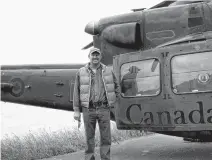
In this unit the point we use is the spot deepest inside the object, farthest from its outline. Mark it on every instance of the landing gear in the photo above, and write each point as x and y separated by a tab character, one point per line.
201	136
199	139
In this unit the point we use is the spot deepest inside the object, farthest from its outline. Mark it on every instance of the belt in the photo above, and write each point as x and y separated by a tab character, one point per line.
99	103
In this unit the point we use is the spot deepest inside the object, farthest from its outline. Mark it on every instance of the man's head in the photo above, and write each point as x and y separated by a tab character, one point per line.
95	56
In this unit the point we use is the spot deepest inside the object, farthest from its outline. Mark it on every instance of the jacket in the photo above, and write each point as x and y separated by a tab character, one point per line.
83	82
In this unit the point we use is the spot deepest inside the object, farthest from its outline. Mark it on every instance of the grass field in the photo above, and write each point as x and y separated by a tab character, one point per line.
43	144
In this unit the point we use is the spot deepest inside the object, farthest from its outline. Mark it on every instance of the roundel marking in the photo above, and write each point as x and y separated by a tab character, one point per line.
18	87
203	78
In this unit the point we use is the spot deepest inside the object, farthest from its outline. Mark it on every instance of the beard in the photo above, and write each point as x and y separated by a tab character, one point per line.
95	60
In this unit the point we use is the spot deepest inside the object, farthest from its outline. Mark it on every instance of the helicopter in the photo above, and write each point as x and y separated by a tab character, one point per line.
162	59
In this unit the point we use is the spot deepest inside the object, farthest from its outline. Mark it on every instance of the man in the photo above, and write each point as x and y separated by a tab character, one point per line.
95	91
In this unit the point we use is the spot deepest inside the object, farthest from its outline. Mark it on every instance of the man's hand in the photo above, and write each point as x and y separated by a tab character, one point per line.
77	116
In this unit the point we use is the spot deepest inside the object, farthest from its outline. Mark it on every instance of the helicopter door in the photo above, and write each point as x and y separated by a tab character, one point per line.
141	104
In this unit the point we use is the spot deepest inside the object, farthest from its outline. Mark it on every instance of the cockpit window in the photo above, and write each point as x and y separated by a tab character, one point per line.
141	78
183	2
192	73
168	3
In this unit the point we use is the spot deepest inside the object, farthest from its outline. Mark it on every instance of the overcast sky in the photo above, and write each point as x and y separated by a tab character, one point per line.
48	32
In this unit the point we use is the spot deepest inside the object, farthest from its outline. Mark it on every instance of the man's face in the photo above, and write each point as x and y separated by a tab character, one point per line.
95	57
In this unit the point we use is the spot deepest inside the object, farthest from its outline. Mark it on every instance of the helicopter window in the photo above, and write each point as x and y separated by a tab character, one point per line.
183	2
192	73
140	78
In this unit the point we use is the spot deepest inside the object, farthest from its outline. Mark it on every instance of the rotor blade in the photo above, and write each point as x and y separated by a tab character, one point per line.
88	46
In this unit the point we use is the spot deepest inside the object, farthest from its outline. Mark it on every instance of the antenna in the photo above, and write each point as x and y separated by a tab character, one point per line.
137	9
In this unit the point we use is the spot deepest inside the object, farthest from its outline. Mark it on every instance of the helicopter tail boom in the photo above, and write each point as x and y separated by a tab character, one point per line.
48	86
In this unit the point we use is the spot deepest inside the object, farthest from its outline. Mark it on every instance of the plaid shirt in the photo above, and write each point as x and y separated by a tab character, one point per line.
97	86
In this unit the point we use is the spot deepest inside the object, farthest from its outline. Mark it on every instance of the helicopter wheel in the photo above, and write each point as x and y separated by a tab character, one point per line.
198	139
190	140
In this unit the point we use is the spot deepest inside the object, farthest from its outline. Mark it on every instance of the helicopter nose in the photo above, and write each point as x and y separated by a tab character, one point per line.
92	28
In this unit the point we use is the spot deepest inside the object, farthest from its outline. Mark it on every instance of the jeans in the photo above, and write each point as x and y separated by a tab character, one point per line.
91	116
